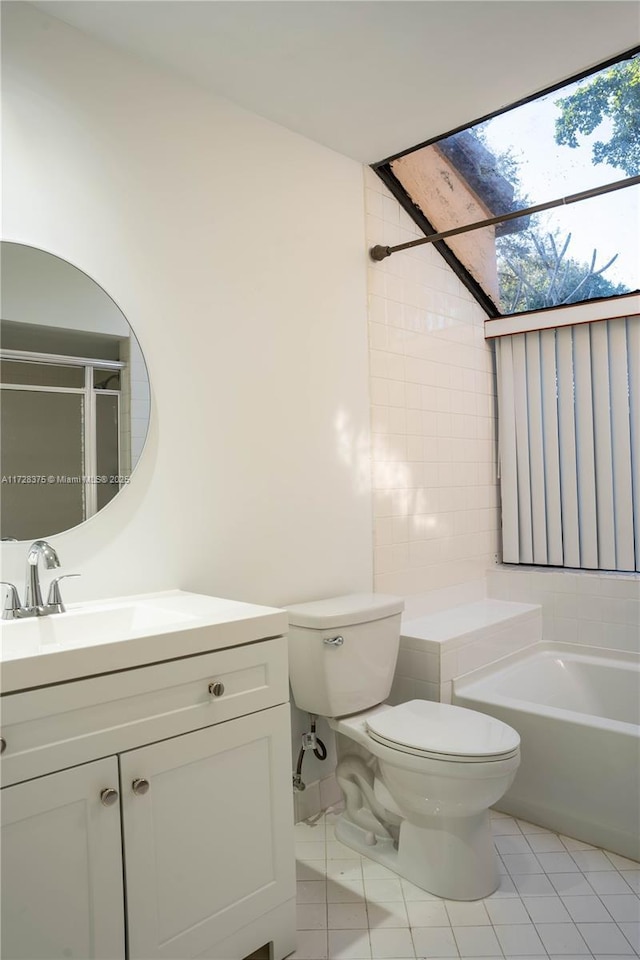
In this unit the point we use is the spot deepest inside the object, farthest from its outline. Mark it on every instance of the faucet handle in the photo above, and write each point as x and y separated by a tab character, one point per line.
12	604
54	599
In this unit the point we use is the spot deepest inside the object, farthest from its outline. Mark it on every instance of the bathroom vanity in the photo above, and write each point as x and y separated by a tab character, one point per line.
146	781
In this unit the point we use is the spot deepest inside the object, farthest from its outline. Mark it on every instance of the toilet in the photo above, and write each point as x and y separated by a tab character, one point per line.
417	778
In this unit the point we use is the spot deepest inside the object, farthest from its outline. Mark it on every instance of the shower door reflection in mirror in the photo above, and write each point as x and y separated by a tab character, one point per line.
75	396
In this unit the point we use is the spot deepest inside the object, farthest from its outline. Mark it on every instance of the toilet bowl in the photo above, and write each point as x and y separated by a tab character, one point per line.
417	778
438	768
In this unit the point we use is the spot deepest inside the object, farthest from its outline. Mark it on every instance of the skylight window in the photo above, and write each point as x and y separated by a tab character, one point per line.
579	138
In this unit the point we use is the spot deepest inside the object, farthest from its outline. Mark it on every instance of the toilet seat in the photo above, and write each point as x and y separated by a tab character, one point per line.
442	731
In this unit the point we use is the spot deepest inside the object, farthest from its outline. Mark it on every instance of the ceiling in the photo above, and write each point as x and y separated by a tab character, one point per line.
368	78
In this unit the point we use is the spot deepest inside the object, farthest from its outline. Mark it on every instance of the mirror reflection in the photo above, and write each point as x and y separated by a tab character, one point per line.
74	395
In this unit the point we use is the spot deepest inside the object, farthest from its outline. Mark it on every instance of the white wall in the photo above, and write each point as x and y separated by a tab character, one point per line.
41	289
236	250
433	421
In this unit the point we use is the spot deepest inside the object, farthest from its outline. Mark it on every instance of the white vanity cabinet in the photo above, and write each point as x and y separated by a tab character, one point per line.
62	866
147	812
188	885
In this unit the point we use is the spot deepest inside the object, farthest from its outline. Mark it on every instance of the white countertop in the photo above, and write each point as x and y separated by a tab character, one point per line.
108	635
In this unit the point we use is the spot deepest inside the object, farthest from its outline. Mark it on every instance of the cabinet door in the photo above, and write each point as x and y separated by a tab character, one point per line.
62	867
209	846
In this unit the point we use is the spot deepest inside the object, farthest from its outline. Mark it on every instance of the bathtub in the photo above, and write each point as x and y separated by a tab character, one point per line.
577	710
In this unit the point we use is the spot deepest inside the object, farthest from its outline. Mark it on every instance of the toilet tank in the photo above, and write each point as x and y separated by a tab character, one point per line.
340	678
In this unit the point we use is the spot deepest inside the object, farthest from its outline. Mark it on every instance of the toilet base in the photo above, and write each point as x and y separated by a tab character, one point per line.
453	857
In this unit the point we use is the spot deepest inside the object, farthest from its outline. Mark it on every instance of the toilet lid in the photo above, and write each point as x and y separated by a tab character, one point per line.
423	726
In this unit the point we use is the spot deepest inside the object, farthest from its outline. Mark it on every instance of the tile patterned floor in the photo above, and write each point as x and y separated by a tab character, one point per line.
558	898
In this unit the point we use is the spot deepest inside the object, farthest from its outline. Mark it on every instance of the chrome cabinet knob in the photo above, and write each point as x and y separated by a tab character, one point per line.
140	787
3	744
216	689
108	796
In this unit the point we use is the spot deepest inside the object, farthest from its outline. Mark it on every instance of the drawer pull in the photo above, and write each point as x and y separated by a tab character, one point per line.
3	744
216	689
140	787
108	796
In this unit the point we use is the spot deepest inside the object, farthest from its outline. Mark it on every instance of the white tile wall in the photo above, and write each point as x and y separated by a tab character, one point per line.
135	405
432	414
436	514
597	609
318	796
140	402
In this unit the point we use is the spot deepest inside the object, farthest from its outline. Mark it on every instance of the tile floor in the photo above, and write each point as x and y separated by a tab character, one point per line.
558	898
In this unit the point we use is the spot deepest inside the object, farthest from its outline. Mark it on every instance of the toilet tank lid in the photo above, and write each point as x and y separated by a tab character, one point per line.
344	611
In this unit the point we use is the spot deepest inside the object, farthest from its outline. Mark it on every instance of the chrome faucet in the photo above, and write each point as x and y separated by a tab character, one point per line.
32	593
33	605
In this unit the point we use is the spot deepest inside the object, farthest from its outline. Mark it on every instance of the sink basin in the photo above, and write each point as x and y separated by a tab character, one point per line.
85	628
99	637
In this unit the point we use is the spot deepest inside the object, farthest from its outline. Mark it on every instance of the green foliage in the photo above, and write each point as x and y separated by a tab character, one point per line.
613	94
506	164
535	272
534	268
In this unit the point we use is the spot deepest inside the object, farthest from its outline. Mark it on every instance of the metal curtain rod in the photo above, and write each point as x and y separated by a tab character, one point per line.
380	252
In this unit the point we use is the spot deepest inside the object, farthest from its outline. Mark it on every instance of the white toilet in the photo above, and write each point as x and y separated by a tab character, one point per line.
418	778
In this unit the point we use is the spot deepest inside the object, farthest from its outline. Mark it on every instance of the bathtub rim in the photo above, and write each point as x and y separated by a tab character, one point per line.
465	686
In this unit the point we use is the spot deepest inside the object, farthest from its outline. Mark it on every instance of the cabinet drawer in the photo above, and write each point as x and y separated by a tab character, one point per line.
59	726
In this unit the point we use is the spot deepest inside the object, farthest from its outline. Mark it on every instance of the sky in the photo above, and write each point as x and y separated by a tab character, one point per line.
611	223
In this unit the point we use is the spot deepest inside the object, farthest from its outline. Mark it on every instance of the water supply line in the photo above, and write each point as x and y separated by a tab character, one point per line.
310	741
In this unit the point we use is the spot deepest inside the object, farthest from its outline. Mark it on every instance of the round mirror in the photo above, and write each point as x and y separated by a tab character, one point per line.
75	396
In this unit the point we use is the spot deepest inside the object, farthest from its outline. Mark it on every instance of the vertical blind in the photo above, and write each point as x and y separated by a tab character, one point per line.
569	445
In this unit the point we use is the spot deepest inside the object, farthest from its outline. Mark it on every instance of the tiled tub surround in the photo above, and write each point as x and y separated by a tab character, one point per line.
558	898
578	606
432	414
577	711
437	647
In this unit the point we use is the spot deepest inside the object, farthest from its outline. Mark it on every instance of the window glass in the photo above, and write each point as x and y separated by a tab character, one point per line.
41	374
106	379
42	463
559	257
576	138
107	447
